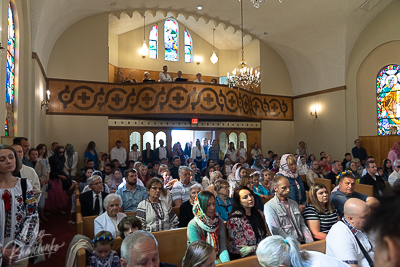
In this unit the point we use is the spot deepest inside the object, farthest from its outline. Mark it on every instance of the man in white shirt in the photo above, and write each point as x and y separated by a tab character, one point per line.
198	78
161	151
29	173
341	241
164	76
118	153
395	175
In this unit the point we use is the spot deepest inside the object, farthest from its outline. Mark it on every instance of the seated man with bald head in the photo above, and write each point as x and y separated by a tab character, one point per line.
141	249
346	191
346	240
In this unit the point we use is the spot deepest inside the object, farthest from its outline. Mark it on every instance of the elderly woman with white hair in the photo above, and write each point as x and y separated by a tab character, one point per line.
110	219
276	251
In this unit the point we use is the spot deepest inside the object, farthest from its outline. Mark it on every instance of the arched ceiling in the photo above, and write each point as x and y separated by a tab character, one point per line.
314	37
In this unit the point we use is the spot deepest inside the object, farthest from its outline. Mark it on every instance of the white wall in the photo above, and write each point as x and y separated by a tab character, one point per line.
275	78
328	131
277	136
79	131
81	52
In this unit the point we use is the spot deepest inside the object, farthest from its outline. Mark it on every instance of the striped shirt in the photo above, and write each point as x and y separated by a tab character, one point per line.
326	220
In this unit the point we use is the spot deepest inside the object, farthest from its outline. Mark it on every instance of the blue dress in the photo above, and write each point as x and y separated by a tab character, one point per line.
89	155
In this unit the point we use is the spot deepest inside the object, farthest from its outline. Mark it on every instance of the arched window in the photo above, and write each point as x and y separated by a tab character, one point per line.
148	137
10	74
243	137
163	136
388	100
233	138
153	42
134	138
188	47
171	40
223	142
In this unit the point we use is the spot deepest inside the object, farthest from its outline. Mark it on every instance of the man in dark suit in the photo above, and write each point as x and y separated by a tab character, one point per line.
370	178
174	171
92	201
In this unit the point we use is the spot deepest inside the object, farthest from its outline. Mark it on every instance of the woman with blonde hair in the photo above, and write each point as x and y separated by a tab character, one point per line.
199	254
320	215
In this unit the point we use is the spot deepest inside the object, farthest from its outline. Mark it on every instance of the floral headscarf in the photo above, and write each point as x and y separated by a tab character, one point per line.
209	225
284	168
235	167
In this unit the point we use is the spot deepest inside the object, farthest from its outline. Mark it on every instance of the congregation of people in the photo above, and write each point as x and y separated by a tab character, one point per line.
163	76
233	206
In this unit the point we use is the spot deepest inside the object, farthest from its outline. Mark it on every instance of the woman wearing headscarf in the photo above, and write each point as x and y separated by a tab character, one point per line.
71	161
207	226
234	182
302	166
288	168
394	153
116	180
57	198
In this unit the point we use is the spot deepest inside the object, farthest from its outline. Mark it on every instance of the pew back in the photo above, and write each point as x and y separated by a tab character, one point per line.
365	189
325	182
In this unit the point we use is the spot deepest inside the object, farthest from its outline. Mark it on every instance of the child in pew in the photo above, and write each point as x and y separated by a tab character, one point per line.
128	225
102	254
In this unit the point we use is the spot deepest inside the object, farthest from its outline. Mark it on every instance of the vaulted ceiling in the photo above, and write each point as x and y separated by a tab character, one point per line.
311	36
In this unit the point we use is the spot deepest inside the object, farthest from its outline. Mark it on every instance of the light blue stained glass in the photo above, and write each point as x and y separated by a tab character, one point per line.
188	47
171	40
153	42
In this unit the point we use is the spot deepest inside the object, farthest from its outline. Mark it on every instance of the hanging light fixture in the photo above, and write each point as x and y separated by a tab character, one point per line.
144	50
213	58
256	3
243	75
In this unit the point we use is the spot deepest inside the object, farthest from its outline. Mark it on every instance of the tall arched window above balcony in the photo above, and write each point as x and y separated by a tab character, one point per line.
388	100
153	42
171	32
134	138
188	47
160	136
148	137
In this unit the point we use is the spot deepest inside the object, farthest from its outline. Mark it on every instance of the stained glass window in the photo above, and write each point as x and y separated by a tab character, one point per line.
153	42
388	100
171	40
188	47
10	74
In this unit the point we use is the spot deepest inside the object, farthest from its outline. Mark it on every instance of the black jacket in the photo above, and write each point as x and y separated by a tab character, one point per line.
86	200
378	185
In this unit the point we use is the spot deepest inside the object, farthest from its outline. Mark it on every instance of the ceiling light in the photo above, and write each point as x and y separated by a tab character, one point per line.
199	7
144	50
213	58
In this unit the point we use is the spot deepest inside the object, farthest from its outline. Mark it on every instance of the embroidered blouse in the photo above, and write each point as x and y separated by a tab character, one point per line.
111	260
20	224
242	233
156	216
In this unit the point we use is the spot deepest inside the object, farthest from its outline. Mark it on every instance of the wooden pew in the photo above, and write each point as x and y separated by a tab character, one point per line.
325	182
85	225
365	189
172	245
303	178
176	210
77	205
252	260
